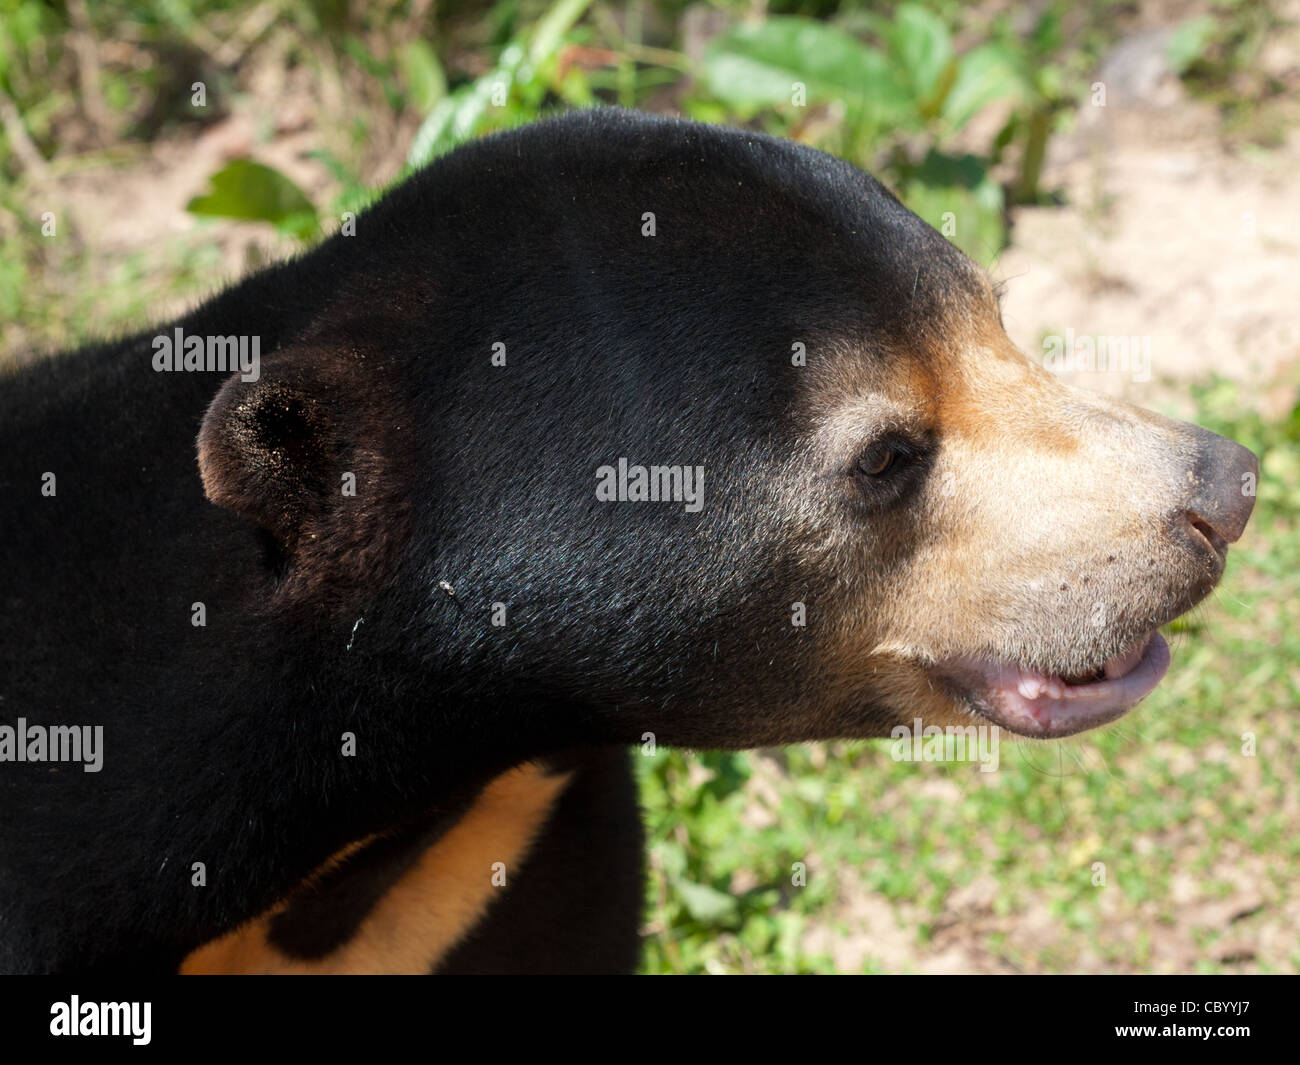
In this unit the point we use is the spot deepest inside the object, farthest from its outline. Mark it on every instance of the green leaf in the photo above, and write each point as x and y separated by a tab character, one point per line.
1188	41
1291	428
921	46
470	111
550	32
254	192
730	771
422	74
463	114
984	74
706	904
957	196
755	66
1048	34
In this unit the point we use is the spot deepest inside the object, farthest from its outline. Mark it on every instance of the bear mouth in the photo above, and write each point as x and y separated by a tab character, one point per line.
1042	706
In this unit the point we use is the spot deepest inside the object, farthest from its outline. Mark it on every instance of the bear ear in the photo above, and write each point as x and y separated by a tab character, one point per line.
269	450
315	453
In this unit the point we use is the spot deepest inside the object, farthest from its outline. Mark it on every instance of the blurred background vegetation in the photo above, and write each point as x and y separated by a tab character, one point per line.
150	152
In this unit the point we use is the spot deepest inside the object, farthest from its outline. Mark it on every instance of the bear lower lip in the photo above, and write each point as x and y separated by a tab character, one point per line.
1034	704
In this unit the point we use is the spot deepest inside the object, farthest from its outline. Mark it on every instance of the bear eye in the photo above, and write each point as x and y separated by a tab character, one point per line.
889	468
877	461
883	456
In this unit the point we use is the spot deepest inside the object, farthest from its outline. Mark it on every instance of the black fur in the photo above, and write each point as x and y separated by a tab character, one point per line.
222	743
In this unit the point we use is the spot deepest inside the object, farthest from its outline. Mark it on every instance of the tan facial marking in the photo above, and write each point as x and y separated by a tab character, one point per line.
430	908
1046	531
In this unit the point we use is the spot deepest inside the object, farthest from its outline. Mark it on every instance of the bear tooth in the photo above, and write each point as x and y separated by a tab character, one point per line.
1033	685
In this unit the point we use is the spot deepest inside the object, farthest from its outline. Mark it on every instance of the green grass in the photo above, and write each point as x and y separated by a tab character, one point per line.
56	295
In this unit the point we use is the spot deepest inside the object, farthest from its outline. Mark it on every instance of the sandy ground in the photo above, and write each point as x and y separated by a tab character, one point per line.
1167	236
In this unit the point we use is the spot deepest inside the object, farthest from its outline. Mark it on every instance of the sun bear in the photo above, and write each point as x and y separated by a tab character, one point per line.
368	641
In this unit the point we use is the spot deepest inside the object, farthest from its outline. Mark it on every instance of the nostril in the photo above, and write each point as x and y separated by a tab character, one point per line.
1208	531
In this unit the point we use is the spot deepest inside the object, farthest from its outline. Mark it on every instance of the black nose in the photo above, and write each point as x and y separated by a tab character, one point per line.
1223	479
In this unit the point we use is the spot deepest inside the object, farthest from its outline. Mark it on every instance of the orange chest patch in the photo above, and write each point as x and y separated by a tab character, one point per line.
438	894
